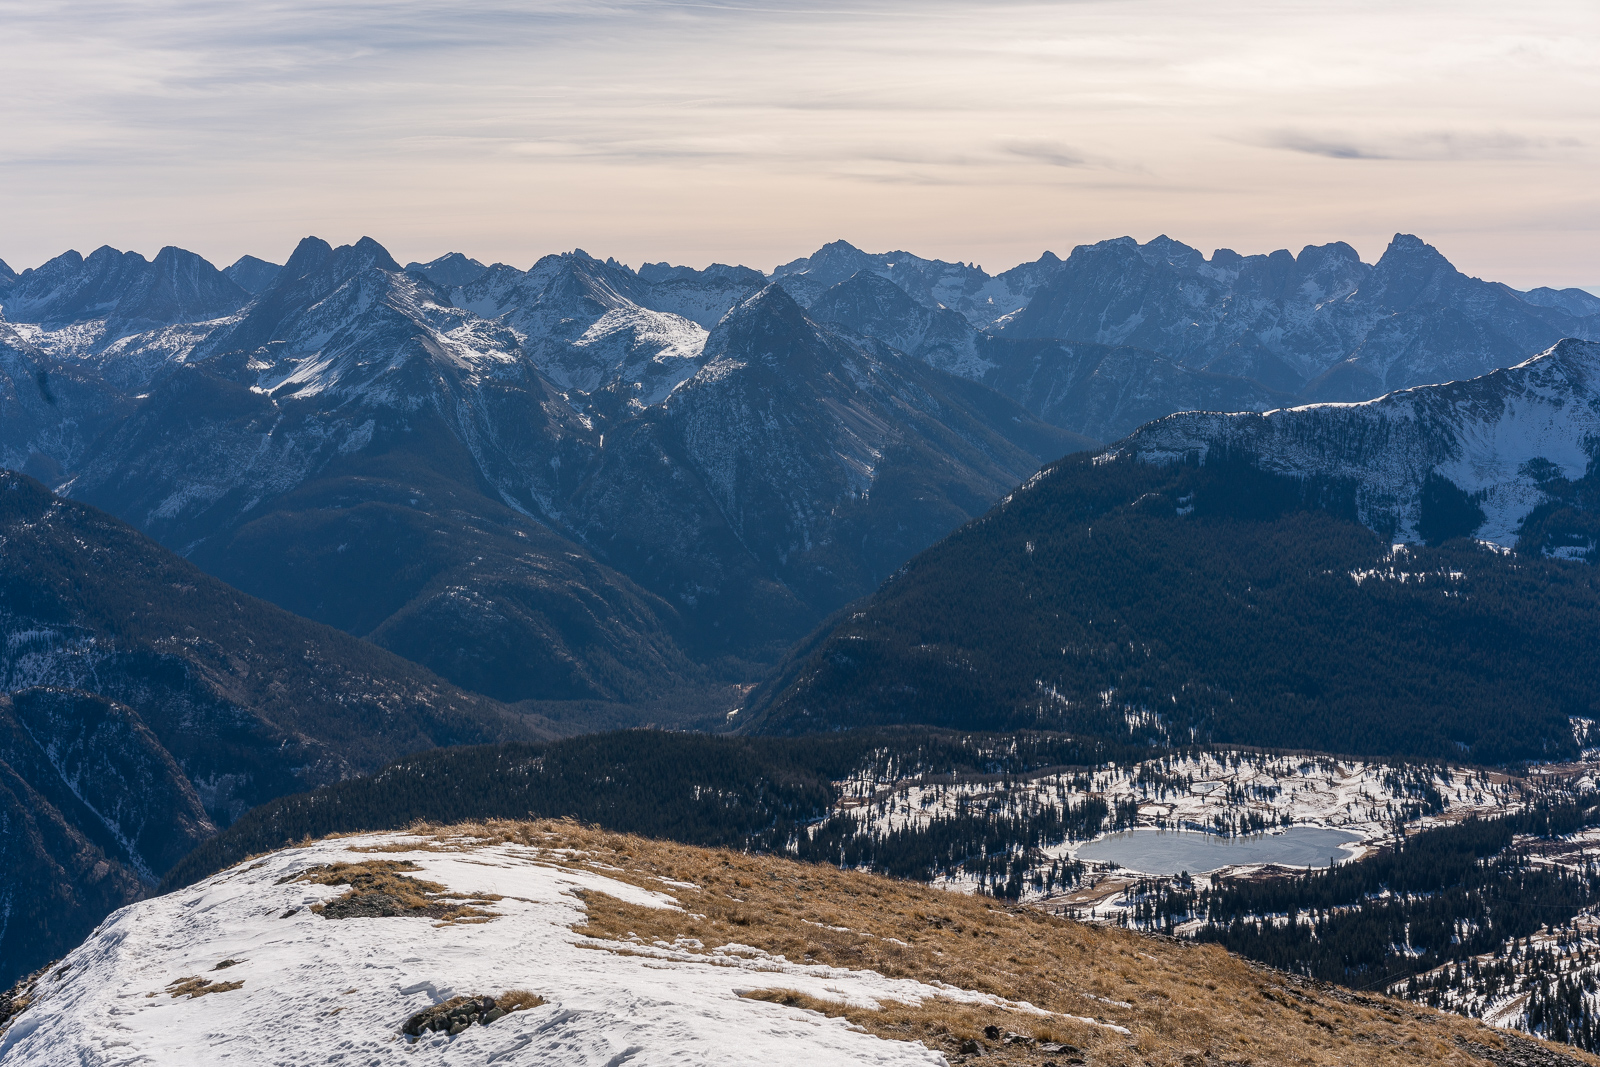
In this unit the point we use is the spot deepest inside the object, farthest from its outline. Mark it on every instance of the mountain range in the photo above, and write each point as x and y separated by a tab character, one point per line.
266	528
587	482
584	482
528	481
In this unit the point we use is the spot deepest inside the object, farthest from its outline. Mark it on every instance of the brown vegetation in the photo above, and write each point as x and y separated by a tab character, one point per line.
195	986
1182	1004
378	889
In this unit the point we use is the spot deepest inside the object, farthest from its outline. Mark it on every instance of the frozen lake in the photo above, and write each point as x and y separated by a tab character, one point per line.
1175	851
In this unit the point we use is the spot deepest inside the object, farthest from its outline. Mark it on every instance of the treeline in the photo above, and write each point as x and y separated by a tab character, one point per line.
753	793
1557	976
1211	604
1000	850
1568	521
1437	897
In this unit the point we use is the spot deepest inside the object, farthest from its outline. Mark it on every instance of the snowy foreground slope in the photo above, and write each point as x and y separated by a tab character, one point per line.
318	990
627	950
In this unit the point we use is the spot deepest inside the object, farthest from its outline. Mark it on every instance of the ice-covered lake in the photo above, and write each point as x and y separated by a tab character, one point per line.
1175	851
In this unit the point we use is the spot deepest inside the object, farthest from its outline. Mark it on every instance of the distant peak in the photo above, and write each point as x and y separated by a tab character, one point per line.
170	254
378	255
1406	262
767	307
310	251
772	298
1410	246
1110	244
106	252
1164	246
1333	249
871	279
450	269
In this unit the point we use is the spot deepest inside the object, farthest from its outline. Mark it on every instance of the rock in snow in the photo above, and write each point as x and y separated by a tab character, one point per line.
319	990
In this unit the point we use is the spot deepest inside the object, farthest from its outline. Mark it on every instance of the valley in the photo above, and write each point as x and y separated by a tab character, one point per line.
645	534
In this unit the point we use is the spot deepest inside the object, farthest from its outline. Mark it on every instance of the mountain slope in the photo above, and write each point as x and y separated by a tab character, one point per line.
1210	578
148	702
51	409
792	472
702	296
247	697
251	273
1106	392
586	324
95	808
1507	440
1101	391
626	949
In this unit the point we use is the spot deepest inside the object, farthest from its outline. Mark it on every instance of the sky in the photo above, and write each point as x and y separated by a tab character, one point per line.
754	132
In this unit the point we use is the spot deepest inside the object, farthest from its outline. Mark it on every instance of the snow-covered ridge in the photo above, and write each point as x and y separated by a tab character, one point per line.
319	990
1480	434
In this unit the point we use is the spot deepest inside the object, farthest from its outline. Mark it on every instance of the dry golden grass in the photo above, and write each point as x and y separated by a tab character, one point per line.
1184	1004
195	986
518	1000
379	888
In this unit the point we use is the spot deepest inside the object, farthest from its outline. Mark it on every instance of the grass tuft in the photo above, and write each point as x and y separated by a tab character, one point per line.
380	888
195	986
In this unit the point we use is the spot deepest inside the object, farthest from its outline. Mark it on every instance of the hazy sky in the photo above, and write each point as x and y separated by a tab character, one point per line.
754	132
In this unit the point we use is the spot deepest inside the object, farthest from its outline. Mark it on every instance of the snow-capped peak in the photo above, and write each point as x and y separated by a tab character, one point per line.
1487	436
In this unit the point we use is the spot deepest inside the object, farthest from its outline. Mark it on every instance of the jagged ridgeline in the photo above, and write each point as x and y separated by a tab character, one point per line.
1234	579
757	793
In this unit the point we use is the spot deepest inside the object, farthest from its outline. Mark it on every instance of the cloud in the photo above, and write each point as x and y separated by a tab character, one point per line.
1055	153
506	128
1423	146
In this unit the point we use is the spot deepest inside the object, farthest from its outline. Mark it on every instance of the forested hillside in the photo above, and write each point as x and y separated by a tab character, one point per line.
748	792
1210	602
